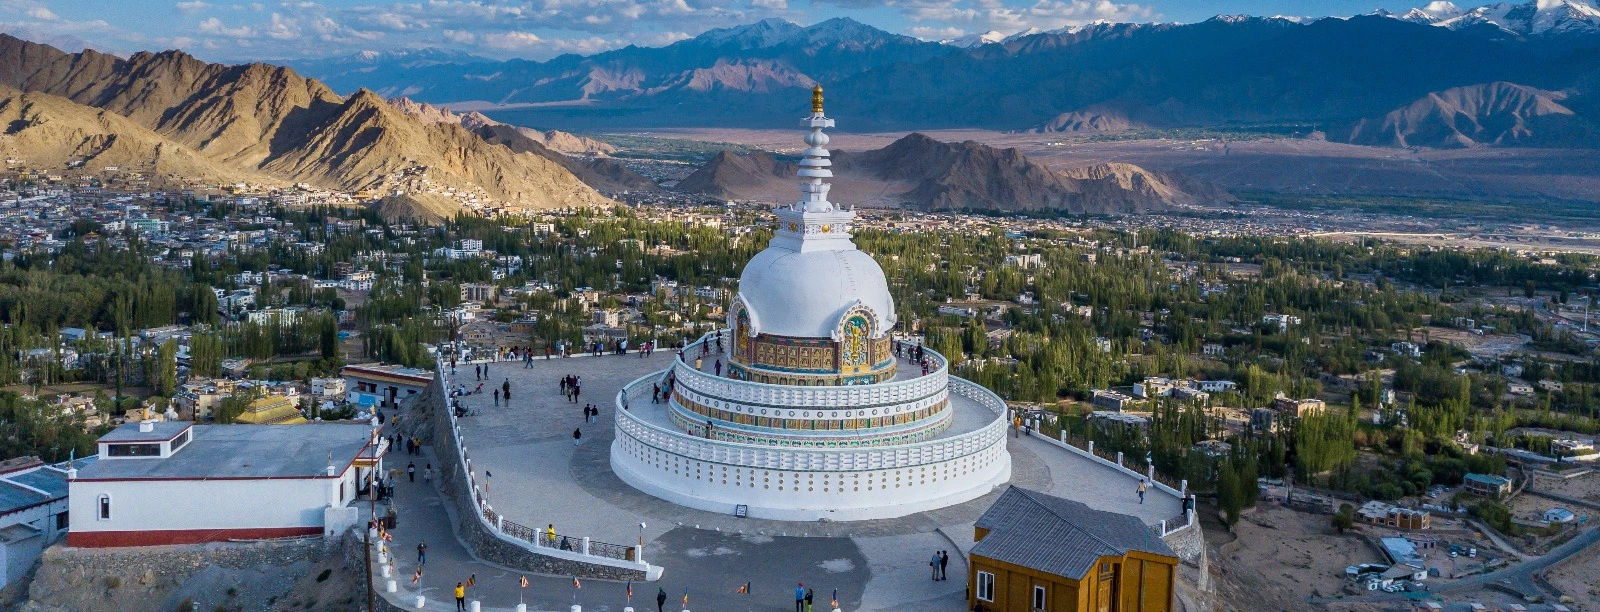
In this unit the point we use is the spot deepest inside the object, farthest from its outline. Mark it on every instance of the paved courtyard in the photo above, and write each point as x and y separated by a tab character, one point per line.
538	476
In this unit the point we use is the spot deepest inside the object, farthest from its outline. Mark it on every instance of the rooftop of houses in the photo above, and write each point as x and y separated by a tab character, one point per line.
242	452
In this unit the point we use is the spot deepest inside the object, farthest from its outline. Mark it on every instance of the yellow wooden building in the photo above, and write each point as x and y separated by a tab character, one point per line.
1040	553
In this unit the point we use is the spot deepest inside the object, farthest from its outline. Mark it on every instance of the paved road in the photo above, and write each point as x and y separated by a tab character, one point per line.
1519	575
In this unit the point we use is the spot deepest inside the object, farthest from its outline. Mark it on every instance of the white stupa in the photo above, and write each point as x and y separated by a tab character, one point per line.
809	409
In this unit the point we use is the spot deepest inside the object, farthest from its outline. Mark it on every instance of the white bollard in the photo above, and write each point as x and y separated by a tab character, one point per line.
383	557
522	607
577	608
387	571
475	607
422	602
628	609
390	587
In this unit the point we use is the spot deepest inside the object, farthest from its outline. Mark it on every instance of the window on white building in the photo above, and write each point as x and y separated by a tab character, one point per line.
105	507
1038	597
985	586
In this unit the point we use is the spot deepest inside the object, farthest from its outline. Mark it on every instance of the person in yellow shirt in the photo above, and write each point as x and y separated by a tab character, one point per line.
461	597
550	535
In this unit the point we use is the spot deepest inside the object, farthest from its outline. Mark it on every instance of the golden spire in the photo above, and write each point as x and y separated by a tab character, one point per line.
816	99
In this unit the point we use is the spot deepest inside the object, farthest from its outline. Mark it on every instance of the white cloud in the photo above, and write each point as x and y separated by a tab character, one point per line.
43	14
931	33
460	37
775	5
212	25
191	6
510	41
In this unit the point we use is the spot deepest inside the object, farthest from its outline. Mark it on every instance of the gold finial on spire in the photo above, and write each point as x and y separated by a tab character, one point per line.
816	99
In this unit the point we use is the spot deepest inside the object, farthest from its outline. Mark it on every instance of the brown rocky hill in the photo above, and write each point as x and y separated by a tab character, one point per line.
922	173
601	173
1498	113
269	120
561	142
1088	121
46	131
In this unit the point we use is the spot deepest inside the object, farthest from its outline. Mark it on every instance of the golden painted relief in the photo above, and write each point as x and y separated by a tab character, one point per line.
855	345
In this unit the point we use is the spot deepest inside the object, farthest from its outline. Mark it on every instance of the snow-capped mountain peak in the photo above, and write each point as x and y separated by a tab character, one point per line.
1533	18
976	40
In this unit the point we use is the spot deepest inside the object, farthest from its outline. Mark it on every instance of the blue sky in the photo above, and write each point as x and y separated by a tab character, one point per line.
246	30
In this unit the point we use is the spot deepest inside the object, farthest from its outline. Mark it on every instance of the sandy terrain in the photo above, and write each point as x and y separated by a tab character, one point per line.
1576	577
1586	486
1276	165
1300	550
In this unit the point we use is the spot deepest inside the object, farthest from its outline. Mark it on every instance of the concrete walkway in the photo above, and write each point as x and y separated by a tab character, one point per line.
540	477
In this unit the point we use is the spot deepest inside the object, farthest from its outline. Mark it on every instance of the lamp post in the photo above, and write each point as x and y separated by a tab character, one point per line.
641	534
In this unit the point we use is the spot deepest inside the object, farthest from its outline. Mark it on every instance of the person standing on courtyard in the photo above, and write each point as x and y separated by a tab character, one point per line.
1142	484
718	367
427	474
800	598
497	397
577	436
411	472
944	565
934	563
505	387
661	598
461	597
422	553
809	593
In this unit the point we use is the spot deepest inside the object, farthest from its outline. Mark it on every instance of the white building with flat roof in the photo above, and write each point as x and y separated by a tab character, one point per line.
33	512
173	482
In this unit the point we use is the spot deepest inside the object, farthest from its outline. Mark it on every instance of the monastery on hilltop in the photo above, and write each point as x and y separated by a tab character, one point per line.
806	408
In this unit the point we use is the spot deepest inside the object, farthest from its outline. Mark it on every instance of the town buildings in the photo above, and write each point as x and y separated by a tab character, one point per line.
1298	408
381	385
1094	560
1389	515
1487	485
174	482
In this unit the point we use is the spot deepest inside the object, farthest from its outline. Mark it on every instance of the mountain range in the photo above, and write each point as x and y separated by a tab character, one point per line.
921	173
171	114
1229	70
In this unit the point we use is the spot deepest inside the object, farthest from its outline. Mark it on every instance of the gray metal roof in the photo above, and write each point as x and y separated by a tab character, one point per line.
1059	536
245	451
162	430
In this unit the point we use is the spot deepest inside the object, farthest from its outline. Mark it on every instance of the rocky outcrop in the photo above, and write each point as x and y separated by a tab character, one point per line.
268	120
46	131
923	173
1088	121
1498	113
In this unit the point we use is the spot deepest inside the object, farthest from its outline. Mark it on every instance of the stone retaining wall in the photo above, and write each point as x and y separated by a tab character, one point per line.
481	539
1188	542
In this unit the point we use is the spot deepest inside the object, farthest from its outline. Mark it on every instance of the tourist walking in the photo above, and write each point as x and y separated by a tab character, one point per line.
809	593
550	534
461	597
717	366
1142	484
505	387
944	564
934	563
577	437
422	553
427	474
497	397
800	598
411	472
661	598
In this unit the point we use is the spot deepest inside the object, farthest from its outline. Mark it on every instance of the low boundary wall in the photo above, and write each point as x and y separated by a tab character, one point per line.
490	536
